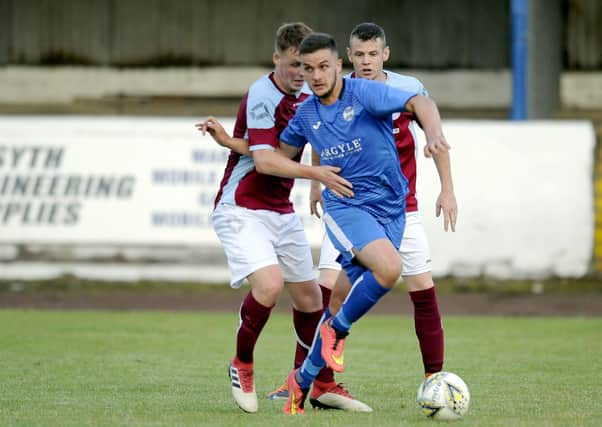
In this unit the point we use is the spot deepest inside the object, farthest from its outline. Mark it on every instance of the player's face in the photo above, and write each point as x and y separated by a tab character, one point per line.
322	72
288	71
368	57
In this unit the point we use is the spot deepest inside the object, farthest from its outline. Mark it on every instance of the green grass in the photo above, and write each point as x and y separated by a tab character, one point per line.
169	369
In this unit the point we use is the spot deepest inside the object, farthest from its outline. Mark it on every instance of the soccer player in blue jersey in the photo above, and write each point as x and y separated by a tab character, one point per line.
368	51
349	124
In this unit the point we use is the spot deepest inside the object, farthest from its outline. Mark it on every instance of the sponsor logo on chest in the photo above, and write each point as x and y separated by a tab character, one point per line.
341	150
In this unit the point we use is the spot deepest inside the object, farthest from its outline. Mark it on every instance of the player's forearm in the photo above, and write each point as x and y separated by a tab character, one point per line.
443	164
271	163
238	145
315	161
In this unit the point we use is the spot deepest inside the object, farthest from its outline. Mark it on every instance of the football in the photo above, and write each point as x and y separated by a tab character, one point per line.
444	396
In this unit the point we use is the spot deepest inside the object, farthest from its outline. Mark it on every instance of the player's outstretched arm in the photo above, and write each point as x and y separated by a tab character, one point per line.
427	113
272	163
429	119
446	201
219	135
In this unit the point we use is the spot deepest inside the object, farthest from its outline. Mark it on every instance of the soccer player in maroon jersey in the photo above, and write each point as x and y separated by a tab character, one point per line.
262	237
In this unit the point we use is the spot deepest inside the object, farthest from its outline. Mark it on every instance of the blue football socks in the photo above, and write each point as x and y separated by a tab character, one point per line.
365	293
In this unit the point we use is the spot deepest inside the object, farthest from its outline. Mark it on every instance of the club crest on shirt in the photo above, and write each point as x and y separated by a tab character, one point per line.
259	111
348	113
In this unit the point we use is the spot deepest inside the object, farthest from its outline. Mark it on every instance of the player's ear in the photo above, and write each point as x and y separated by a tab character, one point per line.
340	64
276	57
349	55
386	53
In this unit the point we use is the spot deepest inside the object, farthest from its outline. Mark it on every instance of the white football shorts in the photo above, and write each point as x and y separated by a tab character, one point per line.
253	239
415	252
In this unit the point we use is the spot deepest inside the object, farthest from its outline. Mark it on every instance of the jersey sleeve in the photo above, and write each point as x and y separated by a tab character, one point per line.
382	100
240	126
293	133
261	126
414	85
421	89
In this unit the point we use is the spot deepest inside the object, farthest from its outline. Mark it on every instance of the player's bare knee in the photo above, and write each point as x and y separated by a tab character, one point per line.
418	282
306	296
387	277
267	294
328	278
308	303
388	273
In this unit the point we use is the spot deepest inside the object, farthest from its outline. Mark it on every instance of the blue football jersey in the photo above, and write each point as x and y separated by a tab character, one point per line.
355	134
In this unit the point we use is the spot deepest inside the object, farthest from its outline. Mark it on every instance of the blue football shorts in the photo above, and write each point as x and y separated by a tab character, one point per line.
350	227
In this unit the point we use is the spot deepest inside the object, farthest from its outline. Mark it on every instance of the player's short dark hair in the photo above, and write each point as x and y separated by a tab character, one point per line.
368	31
290	34
317	41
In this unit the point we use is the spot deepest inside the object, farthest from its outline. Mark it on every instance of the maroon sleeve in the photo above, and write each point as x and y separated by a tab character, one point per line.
240	127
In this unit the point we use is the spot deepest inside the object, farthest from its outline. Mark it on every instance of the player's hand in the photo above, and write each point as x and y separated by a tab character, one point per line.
315	197
435	145
215	129
329	176
446	202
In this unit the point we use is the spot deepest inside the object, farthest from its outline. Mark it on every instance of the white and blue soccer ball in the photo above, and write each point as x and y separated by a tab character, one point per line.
444	396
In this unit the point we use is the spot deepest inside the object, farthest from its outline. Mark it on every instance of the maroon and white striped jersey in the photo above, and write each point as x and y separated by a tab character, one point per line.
263	114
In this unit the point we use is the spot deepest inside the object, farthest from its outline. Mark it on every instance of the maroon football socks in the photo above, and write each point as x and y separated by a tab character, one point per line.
427	322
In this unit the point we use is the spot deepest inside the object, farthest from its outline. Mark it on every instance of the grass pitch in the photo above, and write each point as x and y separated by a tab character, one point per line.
92	368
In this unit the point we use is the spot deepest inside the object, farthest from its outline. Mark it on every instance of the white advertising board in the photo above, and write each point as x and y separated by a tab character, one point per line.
524	190
107	180
525	198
